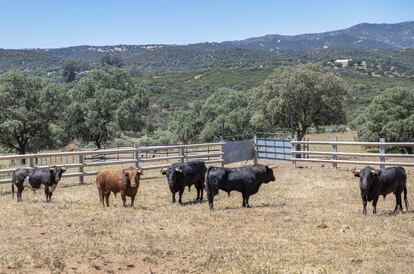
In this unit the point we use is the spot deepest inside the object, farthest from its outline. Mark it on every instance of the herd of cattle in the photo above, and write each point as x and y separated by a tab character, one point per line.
246	180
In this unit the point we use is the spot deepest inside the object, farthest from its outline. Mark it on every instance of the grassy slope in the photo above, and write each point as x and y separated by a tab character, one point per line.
281	233
364	88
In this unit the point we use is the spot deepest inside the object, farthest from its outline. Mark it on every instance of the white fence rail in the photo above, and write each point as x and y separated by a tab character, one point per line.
154	157
333	155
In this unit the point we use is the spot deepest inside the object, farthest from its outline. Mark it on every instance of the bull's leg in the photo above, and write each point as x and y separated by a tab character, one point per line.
198	194
19	194
210	198
173	197
123	196
247	201
47	194
364	204
107	198
405	199
180	196
211	192
374	204
202	191
397	201
132	200
50	196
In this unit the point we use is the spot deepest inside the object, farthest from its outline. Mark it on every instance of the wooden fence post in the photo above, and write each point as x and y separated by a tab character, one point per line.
30	162
293	156
222	155
136	156
81	169
382	153
182	159
254	149
334	150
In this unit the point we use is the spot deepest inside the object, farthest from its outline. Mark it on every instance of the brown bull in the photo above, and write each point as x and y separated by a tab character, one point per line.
125	181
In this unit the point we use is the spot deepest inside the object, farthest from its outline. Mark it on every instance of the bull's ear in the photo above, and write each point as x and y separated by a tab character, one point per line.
125	172
140	171
356	174
179	170
267	169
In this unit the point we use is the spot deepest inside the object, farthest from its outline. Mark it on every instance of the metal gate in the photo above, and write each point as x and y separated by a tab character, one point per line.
273	146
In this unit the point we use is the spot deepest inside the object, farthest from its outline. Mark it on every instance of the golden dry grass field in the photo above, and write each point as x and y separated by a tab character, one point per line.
309	221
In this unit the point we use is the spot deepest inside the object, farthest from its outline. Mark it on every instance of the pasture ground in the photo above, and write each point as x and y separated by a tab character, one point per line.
309	220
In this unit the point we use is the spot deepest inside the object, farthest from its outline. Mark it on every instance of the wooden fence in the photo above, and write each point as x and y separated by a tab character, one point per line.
143	157
334	156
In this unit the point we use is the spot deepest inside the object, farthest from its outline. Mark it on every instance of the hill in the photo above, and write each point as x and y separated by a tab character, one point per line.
376	44
361	36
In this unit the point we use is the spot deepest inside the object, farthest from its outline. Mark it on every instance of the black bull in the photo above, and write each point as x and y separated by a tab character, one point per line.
34	179
374	183
246	180
180	175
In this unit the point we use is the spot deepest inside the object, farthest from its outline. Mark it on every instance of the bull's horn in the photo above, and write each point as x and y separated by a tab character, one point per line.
274	166
162	170
178	169
355	171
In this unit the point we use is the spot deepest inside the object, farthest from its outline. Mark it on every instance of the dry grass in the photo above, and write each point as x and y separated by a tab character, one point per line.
309	220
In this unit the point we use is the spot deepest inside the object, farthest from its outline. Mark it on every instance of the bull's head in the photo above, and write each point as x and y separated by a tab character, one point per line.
132	176
56	173
270	177
367	176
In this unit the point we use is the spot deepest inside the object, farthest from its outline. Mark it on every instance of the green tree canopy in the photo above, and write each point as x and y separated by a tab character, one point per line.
112	60
103	103
299	98
29	106
202	122
69	69
389	115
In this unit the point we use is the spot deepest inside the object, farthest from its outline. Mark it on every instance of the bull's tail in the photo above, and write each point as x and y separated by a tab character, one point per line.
12	186
405	198
189	188
405	188
206	180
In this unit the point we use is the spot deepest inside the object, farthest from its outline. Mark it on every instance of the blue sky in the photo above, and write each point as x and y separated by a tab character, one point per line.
60	23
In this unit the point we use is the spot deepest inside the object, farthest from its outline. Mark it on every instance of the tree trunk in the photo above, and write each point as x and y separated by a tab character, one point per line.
98	144
299	137
22	151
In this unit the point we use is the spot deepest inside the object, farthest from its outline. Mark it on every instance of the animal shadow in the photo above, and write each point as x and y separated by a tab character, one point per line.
193	202
263	205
